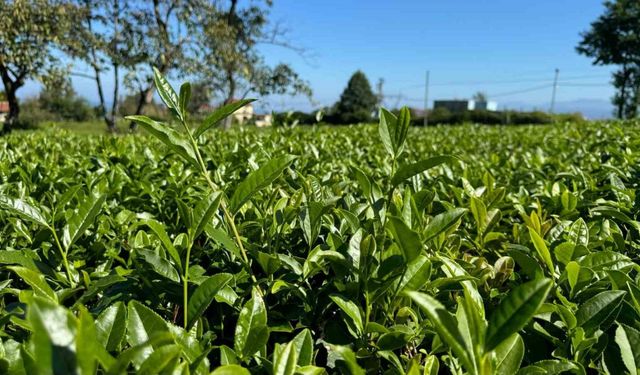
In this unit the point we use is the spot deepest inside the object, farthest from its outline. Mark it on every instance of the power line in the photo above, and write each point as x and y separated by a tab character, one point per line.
510	93
555	88
426	100
585	84
498	82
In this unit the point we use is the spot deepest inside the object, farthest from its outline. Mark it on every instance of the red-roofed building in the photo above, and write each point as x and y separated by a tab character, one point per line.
4	111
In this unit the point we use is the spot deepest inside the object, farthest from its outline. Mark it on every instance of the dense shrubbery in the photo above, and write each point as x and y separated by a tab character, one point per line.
351	250
443	116
55	105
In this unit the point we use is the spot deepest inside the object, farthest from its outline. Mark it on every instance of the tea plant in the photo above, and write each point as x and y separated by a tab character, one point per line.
472	250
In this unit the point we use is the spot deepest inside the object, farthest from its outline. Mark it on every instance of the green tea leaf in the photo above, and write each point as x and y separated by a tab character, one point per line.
158	229
166	92
143	324
252	331
23	210
393	130
542	249
407	239
204	295
303	343
509	355
110	326
138	352
407	171
203	212
89	351
284	361
445	325
628	339
171	138
515	311
346	360
599	308
442	222
231	370
54	332
157	361
36	281
185	96
219	115
82	218
258	180
393	340
160	265
417	274
351	310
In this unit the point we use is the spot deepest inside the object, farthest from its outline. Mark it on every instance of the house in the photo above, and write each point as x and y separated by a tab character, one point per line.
263	120
247	114
465	105
4	111
244	113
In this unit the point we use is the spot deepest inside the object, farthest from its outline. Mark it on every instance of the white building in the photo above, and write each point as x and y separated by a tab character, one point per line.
263	120
4	111
465	105
247	114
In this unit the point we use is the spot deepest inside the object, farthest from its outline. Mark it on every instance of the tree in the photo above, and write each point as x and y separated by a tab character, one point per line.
63	103
170	38
480	97
357	101
229	58
614	39
129	103
110	41
201	96
31	32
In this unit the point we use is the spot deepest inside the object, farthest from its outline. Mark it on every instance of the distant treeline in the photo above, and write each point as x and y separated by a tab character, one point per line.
66	105
444	117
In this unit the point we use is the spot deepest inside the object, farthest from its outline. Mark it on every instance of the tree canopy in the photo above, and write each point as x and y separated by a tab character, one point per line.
32	31
614	39
357	101
214	42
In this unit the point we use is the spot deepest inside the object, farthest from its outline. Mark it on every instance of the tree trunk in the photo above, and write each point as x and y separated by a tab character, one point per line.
114	105
14	109
636	92
623	88
145	96
11	87
231	81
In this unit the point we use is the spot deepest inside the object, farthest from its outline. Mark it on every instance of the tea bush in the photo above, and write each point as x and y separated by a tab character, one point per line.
479	250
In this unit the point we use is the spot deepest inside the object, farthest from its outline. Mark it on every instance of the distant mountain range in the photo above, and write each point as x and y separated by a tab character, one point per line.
593	109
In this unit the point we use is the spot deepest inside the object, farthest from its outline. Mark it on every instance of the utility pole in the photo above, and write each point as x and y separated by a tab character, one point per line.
380	95
426	100
553	93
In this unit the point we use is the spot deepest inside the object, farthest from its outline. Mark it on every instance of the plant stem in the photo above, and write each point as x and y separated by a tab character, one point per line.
63	253
227	214
384	220
185	287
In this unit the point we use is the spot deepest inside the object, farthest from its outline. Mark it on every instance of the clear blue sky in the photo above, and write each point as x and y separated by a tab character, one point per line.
496	46
459	41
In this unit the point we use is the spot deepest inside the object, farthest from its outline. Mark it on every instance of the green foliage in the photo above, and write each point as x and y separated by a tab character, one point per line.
327	250
444	116
31	33
228	59
357	102
614	39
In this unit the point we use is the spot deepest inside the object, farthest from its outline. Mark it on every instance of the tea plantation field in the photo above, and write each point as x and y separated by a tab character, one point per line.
445	250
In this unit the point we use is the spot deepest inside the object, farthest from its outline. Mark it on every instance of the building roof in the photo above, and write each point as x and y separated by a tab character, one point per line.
4	107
